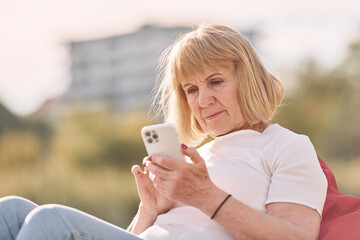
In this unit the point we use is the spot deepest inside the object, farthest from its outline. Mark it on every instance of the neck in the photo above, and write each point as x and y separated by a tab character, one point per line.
260	127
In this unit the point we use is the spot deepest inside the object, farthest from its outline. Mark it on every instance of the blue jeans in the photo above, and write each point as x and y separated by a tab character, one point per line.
21	219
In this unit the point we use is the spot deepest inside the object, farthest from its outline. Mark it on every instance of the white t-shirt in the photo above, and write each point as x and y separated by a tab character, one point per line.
276	165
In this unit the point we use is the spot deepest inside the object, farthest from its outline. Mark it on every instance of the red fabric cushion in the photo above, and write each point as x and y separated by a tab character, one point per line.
341	214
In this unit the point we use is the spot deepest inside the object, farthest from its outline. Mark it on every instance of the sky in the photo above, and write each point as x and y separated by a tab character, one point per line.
34	57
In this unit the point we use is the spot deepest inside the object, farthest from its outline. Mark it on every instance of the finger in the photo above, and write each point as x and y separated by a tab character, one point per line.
161	185
158	171
192	153
146	159
136	171
157	181
141	178
165	162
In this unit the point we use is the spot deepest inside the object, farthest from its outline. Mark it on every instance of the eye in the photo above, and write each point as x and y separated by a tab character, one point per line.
191	90
215	82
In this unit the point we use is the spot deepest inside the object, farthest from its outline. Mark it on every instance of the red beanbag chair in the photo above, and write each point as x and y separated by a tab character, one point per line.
341	213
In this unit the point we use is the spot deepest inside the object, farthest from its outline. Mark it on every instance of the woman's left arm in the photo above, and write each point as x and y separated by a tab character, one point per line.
189	183
282	220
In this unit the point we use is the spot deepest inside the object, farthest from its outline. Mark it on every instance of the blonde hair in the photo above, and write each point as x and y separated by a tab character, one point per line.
212	47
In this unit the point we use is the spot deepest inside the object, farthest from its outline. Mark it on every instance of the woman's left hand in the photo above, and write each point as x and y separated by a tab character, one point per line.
181	181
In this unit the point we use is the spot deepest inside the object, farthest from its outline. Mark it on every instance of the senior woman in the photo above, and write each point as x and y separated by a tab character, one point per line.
254	180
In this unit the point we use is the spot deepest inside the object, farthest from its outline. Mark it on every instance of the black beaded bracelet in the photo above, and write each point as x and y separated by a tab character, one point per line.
218	208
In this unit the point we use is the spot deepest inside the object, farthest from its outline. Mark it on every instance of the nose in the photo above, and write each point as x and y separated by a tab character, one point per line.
206	98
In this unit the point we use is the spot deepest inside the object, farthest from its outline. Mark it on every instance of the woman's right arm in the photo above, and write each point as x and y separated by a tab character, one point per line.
141	222
152	202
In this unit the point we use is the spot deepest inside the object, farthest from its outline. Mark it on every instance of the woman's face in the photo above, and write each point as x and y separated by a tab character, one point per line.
213	98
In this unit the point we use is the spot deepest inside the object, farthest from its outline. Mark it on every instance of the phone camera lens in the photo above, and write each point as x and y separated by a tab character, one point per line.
147	134
150	140
155	136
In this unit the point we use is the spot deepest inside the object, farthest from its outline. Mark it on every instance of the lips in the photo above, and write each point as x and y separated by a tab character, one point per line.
212	116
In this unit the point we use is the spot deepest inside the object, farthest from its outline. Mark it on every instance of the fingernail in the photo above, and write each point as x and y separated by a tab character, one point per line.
149	158
183	146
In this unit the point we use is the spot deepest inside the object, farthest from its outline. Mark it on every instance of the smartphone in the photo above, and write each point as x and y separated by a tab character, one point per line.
162	139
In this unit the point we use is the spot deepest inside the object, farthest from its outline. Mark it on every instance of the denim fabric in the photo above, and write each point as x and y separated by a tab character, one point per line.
13	211
21	219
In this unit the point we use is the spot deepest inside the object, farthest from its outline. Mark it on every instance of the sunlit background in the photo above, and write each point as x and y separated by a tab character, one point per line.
76	79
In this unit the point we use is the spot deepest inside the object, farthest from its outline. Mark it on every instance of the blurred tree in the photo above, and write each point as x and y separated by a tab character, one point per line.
19	149
326	106
22	140
87	166
8	120
99	139
92	152
344	137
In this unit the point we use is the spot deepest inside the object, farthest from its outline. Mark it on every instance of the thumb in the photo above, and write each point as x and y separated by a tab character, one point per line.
136	171
142	179
191	153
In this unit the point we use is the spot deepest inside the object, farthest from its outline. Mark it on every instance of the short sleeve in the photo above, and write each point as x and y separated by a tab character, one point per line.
297	176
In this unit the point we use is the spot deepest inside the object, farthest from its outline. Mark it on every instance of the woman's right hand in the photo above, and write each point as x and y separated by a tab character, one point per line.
152	202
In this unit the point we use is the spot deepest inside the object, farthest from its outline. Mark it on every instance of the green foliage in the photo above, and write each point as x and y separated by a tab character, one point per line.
99	139
19	148
85	164
94	151
326	107
22	140
8	120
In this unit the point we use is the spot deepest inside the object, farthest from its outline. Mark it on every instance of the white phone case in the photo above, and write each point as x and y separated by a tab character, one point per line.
162	139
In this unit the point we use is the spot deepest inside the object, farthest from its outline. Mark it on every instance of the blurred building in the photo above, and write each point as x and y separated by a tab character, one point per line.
119	71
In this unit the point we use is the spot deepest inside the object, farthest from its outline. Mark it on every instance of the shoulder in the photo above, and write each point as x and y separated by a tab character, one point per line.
280	133
284	139
289	148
